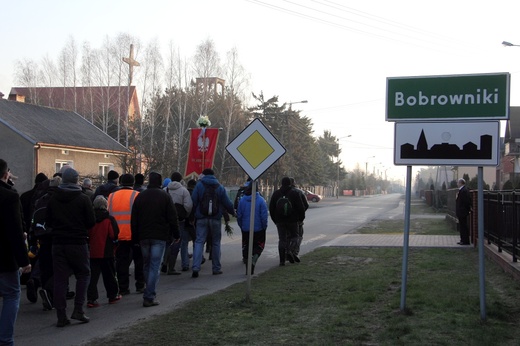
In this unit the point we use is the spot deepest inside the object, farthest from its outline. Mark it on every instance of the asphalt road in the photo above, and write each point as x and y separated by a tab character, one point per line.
324	222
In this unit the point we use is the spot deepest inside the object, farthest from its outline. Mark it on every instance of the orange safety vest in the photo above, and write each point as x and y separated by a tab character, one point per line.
120	205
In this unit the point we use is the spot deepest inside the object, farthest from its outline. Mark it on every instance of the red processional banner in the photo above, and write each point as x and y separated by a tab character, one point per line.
203	144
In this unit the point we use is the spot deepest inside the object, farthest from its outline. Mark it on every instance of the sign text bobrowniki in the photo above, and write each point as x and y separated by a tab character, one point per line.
482	96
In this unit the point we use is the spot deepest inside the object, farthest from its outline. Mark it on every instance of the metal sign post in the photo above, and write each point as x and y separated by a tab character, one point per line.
255	149
425	110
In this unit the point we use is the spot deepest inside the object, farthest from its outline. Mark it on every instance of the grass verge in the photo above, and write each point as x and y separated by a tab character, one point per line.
348	296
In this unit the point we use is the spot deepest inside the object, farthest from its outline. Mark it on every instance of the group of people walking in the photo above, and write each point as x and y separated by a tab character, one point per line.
97	233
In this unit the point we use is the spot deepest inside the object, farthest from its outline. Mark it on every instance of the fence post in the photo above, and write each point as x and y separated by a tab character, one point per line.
514	228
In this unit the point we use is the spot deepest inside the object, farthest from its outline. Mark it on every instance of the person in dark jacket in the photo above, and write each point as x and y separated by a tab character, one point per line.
70	215
154	223
209	224
300	224
287	226
102	238
13	256
45	191
139	182
462	210
27	201
109	187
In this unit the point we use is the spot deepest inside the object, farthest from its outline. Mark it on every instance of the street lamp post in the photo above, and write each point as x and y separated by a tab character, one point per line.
366	165
289	135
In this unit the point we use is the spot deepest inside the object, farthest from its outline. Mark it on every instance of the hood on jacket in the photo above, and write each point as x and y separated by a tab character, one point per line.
209	180
174	185
101	214
67	194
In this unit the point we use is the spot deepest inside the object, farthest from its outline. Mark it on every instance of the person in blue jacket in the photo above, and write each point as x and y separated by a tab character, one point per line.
209	200
260	225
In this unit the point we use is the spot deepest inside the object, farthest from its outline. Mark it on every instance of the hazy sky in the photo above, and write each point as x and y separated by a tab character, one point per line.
335	54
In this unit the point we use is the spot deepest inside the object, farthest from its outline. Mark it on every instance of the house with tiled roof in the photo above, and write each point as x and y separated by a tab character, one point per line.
106	107
37	139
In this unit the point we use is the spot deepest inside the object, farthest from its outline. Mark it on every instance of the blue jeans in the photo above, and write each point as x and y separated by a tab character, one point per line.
10	293
153	252
203	227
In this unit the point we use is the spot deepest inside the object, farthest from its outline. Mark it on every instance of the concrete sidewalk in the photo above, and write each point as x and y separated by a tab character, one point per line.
397	240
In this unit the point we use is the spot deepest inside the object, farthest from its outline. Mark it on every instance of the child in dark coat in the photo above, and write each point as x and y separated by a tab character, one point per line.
102	238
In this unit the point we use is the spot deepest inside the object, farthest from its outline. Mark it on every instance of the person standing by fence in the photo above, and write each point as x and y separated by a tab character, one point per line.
462	210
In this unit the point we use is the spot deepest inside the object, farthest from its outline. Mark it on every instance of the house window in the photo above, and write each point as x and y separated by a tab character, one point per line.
60	163
104	168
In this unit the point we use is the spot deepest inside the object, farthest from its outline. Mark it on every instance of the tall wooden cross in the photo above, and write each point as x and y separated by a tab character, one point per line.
131	63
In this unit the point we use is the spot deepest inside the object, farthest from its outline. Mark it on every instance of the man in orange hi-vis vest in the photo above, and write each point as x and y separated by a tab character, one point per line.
120	207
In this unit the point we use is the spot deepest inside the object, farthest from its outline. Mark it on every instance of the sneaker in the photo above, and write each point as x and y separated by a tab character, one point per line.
140	290
148	303
63	323
185	269
46	301
32	294
115	299
290	258
174	272
296	259
218	272
124	292
195	274
92	304
80	316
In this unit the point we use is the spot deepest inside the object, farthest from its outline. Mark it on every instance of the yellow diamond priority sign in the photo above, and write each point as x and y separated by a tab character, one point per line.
255	149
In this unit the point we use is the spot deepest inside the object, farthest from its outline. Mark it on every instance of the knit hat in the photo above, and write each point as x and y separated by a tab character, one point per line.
139	179
286	181
64	168
100	202
40	177
208	171
127	180
166	182
154	179
112	175
70	176
192	183
176	176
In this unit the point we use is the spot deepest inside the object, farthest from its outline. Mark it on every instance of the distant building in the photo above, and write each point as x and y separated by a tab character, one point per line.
37	139
509	168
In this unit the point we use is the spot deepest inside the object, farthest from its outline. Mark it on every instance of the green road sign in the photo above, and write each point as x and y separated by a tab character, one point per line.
479	96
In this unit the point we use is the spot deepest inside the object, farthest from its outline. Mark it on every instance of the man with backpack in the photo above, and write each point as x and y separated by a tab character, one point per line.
209	199
287	211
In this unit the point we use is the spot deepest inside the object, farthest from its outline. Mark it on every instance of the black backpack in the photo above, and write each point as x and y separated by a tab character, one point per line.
209	204
38	226
181	211
284	207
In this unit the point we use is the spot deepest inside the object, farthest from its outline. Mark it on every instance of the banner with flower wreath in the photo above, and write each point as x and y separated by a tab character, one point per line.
203	145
